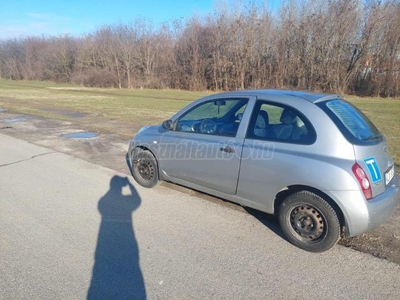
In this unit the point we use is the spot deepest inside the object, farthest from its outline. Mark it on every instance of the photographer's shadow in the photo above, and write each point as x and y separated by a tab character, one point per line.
116	271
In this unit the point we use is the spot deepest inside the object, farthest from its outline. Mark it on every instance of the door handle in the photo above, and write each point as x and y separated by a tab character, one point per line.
227	149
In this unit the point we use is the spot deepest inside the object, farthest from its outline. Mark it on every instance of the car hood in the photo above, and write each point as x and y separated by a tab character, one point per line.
148	136
149	131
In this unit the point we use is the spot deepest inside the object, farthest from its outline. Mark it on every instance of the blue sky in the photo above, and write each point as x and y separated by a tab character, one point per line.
20	18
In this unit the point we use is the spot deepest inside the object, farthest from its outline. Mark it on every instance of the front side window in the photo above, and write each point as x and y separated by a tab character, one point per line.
277	122
216	117
354	125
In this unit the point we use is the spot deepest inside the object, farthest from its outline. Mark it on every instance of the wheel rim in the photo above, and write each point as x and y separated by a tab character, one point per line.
145	169
308	223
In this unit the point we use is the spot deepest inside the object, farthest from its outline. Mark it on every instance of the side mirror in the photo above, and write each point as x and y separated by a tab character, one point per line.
167	125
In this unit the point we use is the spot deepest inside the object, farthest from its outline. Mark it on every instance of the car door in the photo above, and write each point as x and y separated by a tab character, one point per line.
205	145
275	153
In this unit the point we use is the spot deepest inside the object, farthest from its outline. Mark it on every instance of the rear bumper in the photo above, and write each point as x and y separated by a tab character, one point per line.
362	215
381	207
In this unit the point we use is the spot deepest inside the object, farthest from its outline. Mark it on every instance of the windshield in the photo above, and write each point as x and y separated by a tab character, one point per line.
355	126
215	109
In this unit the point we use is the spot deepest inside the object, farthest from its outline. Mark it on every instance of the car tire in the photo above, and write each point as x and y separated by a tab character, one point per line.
145	168
309	222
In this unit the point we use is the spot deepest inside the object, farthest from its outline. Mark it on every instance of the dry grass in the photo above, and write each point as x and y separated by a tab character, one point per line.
139	106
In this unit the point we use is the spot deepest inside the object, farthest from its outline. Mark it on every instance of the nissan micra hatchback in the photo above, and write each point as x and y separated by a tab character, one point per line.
314	160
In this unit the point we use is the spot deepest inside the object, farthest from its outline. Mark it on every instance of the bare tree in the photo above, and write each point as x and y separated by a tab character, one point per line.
12	58
334	46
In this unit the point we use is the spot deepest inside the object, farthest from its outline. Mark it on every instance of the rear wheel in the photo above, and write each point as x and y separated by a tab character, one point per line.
309	222
145	168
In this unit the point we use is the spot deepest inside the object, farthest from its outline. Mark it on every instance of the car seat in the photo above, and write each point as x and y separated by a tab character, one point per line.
262	127
291	127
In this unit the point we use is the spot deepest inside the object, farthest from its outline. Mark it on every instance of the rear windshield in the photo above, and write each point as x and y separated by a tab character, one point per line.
355	126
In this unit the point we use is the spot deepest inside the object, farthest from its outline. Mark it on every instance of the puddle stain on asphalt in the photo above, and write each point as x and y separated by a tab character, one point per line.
23	118
80	135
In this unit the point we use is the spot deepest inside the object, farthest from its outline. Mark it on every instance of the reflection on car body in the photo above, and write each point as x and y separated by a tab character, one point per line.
314	160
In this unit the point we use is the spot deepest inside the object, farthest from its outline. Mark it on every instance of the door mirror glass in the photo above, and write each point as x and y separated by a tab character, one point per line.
167	125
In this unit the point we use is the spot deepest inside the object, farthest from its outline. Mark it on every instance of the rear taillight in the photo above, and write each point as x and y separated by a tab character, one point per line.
363	180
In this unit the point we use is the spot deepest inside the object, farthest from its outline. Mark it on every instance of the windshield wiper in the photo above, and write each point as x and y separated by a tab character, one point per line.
372	137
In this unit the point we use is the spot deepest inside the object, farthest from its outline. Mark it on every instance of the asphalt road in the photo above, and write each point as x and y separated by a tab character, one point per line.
70	229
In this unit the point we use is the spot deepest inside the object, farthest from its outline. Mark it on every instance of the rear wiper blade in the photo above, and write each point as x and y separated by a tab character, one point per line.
373	137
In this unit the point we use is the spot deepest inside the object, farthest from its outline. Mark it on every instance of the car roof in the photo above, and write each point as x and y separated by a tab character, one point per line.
306	95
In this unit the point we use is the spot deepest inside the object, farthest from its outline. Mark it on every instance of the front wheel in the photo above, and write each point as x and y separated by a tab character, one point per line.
309	222
145	169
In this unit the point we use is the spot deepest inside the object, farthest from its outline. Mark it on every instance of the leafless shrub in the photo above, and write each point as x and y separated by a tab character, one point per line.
96	78
347	46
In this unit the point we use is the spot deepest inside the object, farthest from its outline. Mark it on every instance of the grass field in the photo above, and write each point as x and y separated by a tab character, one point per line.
143	107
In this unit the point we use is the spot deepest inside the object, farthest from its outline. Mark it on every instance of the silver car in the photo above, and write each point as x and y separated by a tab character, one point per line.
314	160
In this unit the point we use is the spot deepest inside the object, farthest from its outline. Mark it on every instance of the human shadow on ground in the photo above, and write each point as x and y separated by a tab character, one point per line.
116	270
268	220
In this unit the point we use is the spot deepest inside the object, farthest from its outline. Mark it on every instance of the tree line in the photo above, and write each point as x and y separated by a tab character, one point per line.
345	46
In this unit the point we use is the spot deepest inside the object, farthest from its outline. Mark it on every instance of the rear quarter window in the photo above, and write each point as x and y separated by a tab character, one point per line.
353	124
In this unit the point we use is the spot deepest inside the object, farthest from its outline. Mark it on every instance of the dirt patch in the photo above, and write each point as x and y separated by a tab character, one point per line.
109	149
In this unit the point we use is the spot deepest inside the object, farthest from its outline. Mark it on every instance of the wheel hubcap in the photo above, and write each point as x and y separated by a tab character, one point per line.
307	222
145	169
